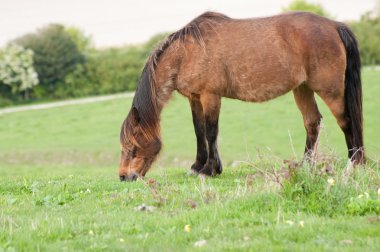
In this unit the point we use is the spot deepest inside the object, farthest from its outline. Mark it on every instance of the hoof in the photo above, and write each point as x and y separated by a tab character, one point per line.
207	171
211	168
192	173
197	167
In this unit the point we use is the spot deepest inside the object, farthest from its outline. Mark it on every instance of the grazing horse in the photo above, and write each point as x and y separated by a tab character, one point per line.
255	60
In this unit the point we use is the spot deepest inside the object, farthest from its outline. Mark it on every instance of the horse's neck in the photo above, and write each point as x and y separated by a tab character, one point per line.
166	74
164	91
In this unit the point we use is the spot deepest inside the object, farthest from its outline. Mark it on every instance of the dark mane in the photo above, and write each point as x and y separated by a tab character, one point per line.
145	104
145	100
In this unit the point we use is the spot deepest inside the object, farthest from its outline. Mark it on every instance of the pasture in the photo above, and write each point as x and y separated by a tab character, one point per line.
59	187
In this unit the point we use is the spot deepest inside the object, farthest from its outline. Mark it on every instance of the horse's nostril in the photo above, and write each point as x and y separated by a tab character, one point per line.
134	177
123	178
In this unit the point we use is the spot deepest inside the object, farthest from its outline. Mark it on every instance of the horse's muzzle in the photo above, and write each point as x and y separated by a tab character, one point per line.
131	177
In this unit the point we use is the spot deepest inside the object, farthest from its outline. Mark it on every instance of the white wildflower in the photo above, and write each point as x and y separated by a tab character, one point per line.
200	243
289	222
302	223
187	228
331	181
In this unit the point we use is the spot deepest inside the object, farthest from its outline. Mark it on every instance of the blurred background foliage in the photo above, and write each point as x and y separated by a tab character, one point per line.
68	65
302	5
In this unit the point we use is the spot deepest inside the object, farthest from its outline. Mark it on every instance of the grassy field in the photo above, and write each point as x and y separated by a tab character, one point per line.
59	187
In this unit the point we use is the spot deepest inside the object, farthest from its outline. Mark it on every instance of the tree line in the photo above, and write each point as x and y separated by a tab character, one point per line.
45	60
60	62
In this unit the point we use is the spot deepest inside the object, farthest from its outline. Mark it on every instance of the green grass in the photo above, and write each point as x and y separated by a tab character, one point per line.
59	187
77	209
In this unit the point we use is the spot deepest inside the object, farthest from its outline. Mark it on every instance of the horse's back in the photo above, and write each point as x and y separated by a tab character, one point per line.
261	58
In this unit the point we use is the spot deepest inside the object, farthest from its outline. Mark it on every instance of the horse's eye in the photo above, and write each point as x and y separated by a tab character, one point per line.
134	150
130	153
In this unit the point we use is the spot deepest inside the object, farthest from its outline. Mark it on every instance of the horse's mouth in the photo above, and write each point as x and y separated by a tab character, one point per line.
132	177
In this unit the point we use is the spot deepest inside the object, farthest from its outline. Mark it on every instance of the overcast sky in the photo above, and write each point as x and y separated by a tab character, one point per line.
119	22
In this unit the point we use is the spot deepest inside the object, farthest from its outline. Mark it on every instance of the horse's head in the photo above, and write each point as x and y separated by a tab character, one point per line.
140	146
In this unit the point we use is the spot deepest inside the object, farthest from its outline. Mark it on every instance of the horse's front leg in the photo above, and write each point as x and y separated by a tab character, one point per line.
211	108
306	103
200	133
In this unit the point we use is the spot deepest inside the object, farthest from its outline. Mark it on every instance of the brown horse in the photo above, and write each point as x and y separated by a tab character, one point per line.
252	60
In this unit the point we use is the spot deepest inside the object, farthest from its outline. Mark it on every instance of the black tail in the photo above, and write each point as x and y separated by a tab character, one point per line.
353	95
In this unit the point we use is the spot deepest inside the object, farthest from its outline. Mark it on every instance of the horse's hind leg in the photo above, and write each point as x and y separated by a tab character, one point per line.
306	103
211	107
335	102
200	133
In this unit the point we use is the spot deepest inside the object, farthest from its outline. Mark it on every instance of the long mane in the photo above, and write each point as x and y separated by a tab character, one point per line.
145	99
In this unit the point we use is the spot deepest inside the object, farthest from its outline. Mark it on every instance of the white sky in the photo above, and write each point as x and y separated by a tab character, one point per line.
118	22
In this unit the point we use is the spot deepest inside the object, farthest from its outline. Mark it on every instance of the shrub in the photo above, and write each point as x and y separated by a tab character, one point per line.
16	69
367	31
55	55
302	5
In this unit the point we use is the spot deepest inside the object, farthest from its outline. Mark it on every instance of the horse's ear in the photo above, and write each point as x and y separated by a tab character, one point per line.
135	115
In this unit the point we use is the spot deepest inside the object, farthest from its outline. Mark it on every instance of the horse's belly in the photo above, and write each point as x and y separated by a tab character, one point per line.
259	92
265	83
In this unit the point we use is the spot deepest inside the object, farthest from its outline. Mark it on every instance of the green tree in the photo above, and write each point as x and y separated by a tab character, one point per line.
55	55
16	69
117	69
303	5
83	42
367	31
